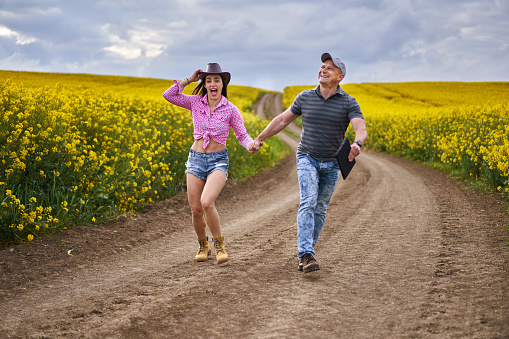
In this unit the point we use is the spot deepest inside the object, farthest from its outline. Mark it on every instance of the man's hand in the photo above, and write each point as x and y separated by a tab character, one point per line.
355	150
255	146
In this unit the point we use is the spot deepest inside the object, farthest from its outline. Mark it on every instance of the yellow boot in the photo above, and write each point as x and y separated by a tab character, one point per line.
204	250
221	254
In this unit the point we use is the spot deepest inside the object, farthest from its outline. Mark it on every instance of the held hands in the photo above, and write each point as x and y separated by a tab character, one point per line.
355	150
255	146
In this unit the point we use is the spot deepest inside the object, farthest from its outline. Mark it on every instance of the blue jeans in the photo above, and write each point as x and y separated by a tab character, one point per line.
317	182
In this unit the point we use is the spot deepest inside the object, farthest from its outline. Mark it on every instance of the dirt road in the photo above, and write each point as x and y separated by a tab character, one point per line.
405	252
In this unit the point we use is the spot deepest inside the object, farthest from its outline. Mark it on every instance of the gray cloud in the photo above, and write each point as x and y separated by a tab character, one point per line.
267	44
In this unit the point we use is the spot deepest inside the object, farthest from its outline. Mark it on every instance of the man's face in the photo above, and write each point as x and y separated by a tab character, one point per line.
329	73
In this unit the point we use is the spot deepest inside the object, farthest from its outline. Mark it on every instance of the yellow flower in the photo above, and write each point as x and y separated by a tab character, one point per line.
30	237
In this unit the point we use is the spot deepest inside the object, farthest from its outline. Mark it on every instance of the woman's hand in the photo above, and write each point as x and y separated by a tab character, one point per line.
254	146
196	76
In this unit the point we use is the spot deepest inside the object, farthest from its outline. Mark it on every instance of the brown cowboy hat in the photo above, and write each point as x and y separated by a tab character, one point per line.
214	68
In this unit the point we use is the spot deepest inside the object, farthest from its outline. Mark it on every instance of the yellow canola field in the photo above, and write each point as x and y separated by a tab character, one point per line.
464	127
78	149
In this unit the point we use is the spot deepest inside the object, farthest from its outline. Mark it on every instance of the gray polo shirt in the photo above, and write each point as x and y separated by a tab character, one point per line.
324	122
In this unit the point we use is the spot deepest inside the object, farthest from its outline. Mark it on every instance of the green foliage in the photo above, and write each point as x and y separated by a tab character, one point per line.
79	155
464	126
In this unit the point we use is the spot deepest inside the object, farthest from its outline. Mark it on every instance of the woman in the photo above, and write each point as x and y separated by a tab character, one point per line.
207	165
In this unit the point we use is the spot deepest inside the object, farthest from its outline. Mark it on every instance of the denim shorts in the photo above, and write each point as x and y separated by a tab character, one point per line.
203	164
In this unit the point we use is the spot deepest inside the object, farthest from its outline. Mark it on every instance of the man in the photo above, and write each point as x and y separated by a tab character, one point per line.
326	113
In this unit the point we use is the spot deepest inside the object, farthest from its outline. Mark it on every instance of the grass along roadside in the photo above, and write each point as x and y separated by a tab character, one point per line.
85	155
462	128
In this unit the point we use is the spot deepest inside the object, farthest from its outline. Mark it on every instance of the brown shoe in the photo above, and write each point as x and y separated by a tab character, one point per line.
221	254
204	250
309	263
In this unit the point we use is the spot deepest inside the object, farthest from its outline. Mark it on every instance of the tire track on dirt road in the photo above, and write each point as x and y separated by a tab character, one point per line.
405	252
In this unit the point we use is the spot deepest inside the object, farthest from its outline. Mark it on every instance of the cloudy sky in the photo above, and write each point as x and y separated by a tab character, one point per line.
268	44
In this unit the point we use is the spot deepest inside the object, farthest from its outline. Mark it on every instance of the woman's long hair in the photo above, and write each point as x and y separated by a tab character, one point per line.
200	89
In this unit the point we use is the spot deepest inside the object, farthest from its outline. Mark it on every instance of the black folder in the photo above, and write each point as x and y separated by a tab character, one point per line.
342	156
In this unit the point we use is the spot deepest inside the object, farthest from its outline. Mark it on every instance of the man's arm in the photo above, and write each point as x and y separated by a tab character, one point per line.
274	127
359	127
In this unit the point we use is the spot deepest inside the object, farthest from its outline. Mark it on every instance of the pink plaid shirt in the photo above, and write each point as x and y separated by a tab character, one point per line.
215	124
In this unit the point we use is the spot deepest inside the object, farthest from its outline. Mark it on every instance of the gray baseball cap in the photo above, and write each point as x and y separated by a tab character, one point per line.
339	64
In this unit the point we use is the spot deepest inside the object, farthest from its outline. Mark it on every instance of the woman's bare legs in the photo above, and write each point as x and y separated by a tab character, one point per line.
202	196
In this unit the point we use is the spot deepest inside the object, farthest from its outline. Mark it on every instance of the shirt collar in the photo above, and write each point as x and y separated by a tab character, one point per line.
338	91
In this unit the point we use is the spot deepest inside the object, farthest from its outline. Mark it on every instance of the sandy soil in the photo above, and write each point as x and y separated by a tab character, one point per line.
406	252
